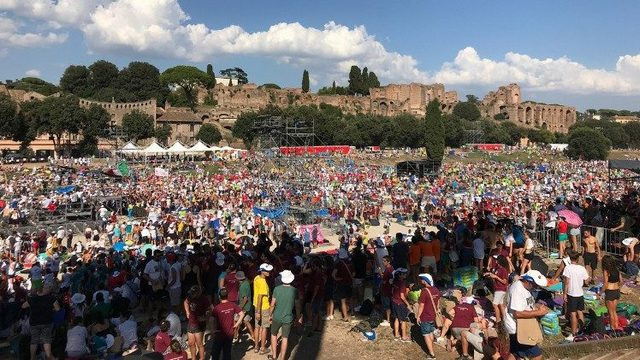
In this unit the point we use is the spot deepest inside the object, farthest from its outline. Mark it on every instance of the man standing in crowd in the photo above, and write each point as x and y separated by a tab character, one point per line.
41	306
261	306
281	313
574	278
522	305
591	252
224	326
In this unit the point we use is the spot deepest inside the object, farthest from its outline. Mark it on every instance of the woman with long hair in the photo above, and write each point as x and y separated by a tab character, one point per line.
612	283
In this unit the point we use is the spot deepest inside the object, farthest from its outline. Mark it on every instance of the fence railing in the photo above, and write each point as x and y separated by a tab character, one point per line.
610	241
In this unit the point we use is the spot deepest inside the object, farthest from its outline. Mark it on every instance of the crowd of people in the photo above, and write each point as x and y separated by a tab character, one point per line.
189	259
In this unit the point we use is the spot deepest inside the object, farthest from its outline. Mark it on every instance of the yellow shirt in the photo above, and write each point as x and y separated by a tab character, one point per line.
260	287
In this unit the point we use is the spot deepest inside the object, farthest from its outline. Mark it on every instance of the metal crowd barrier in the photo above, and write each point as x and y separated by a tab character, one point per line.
610	241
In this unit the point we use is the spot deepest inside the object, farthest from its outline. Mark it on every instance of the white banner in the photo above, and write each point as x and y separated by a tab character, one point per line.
161	172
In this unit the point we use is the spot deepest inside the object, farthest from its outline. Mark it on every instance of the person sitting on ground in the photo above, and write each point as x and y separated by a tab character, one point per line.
176	352
162	339
464	317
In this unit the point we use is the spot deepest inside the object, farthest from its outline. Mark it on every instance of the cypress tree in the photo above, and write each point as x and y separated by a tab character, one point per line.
305	81
434	131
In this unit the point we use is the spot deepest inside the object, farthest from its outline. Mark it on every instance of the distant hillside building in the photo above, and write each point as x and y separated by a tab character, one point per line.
623	119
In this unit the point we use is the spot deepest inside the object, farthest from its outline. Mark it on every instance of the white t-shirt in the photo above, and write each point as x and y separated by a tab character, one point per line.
177	267
77	340
478	248
129	332
518	299
154	270
576	274
175	327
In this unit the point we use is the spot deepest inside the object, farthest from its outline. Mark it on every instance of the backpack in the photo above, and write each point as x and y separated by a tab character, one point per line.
596	325
366	308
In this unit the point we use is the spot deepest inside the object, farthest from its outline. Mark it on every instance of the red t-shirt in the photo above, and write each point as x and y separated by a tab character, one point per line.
399	287
343	274
162	342
563	227
465	313
232	285
116	281
428	312
503	274
386	277
224	313
197	309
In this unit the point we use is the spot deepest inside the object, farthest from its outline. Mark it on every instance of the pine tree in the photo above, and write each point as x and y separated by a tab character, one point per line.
354	80
334	85
373	80
364	81
305	81
212	82
434	131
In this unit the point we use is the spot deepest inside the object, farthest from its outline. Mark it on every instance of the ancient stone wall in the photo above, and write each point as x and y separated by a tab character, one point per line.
119	110
505	102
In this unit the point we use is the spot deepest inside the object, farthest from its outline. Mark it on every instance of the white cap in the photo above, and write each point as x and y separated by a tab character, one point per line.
287	277
266	267
426	277
628	241
536	277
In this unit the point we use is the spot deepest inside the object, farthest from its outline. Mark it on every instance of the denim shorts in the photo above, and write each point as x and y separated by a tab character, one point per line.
386	302
427	328
521	350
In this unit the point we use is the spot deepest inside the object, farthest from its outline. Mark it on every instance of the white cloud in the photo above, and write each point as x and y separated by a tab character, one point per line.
162	29
561	74
33	72
10	35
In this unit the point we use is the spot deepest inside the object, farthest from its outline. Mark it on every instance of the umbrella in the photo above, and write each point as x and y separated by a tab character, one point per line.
572	218
119	246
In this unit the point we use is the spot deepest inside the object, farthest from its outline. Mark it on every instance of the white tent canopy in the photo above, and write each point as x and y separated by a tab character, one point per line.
199	148
153	149
177	148
129	148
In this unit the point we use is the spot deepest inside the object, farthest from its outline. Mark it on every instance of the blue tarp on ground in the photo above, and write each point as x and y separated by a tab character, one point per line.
65	189
273	213
321	212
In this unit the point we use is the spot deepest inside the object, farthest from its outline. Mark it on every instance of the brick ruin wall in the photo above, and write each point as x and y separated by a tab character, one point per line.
118	110
505	102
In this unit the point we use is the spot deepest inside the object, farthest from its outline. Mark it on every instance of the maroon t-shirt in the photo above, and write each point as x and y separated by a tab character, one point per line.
399	287
428	312
197	309
503	274
386	277
465	313
316	280
232	285
224	313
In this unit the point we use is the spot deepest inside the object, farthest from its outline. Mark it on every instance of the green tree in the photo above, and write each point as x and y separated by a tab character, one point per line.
466	110
270	86
163	133
364	82
242	128
76	80
57	116
209	134
473	99
138	125
632	129
588	144
96	122
142	81
188	78
540	136
454	134
305	81
236	73
178	98
354	80
515	132
373	80
34	84
434	131
212	77
8	116
102	74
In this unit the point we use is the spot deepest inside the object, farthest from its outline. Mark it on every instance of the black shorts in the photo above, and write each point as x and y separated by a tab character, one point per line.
575	303
400	311
194	329
528	256
590	259
612	295
343	291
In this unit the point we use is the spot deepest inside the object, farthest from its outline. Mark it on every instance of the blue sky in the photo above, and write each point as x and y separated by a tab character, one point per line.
582	53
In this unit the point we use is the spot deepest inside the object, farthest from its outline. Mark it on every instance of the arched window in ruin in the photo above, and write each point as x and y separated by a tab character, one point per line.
528	115
568	118
384	108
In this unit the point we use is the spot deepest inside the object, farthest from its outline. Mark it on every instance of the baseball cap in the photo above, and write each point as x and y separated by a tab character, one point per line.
535	277
266	267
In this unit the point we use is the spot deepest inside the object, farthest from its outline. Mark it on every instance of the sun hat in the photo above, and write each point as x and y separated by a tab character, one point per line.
287	277
78	298
266	267
427	278
535	277
628	241
240	275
